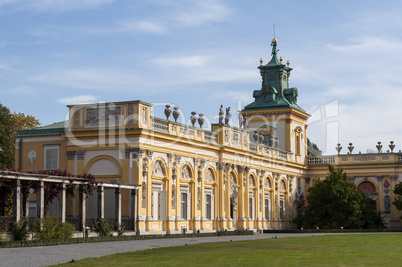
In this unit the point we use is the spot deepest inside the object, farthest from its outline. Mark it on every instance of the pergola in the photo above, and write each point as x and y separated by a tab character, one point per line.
21	194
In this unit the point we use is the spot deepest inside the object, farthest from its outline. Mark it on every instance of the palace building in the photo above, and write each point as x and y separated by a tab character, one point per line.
189	177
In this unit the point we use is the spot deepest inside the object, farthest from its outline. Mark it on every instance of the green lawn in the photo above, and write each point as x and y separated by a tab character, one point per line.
331	250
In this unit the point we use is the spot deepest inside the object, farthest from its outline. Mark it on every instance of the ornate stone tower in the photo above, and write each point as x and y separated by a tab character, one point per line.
275	112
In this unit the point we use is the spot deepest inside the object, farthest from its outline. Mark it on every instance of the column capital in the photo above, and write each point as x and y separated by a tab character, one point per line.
394	177
71	154
150	153
240	169
81	154
170	157
380	178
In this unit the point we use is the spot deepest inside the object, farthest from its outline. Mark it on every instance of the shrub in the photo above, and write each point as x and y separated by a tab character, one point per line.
51	227
119	229
102	227
20	229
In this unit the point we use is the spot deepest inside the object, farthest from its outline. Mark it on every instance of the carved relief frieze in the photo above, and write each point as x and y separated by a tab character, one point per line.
103	116
236	138
145	116
233	186
364	158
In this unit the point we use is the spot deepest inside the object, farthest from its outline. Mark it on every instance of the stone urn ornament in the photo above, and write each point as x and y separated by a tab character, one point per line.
168	112
193	118
351	147
338	148
392	146
201	119
379	146
176	113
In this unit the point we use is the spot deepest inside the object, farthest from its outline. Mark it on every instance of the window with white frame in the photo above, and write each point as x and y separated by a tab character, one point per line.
185	203
282	210
267	207
251	204
209	204
51	157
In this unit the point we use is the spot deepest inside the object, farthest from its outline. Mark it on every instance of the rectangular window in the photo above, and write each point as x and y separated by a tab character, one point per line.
282	207
208	206
267	208
251	207
51	157
183	204
155	205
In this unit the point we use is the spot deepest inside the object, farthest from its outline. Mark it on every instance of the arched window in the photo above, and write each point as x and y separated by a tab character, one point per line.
367	187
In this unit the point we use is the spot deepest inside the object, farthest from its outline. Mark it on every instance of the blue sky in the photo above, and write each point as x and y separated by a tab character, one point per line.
346	58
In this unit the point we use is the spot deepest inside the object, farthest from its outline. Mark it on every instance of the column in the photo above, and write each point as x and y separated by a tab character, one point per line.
83	212
379	196
118	205
101	201
220	197
240	208
62	201
394	181
134	197
40	196
227	182
17	200
25	201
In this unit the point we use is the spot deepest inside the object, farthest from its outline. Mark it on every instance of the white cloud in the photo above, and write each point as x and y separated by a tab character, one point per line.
191	61
53	5
139	25
367	44
200	12
80	99
90	78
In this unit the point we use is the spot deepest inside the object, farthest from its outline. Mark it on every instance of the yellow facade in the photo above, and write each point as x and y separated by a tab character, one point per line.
203	180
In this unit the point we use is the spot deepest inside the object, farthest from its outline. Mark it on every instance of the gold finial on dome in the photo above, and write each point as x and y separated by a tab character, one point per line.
274	41
288	63
261	61
280	60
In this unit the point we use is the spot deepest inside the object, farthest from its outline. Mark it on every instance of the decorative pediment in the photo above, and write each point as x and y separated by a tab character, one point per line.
158	169
186	173
283	186
267	183
232	179
251	181
209	176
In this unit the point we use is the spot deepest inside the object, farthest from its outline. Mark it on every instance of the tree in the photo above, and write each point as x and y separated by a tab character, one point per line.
398	196
10	123
6	140
336	202
312	149
22	122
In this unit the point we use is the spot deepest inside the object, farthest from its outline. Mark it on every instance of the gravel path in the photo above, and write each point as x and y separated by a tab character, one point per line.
48	255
